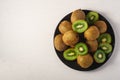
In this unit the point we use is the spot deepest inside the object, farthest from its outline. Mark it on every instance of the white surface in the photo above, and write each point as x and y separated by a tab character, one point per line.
26	39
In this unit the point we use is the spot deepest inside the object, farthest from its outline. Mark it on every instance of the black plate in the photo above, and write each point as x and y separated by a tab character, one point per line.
73	64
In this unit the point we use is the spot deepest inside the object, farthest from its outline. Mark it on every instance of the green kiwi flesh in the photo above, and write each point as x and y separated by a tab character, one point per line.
70	54
92	17
105	38
80	26
81	48
106	47
99	56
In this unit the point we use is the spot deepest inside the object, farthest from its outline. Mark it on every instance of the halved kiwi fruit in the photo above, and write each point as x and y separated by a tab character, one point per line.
99	56
81	48
92	17
105	38
70	54
80	26
106	47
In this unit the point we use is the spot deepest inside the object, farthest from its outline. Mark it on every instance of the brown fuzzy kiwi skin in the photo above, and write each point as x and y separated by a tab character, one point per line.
101	25
92	33
70	38
65	26
85	61
77	15
93	45
59	44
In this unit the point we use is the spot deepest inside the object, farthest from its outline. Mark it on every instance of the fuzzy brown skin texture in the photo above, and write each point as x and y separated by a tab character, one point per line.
92	33
93	45
65	26
77	15
85	61
70	38
101	25
59	44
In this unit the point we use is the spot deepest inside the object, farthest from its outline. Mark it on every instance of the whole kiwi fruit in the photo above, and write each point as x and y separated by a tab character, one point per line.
93	45
92	33
58	43
101	25
85	61
77	15
65	26
70	38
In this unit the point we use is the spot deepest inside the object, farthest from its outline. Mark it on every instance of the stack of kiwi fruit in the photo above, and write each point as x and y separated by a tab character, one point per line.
83	39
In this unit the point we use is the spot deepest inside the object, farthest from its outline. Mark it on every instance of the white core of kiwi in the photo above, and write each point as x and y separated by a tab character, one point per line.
104	48
104	40
92	17
70	54
100	55
81	49
79	26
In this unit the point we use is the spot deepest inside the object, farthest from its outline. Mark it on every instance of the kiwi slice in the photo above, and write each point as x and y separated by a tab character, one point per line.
99	56
81	48
92	17
106	47
105	38
80	26
70	54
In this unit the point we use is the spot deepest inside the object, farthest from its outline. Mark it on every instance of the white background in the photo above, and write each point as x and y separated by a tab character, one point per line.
26	39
